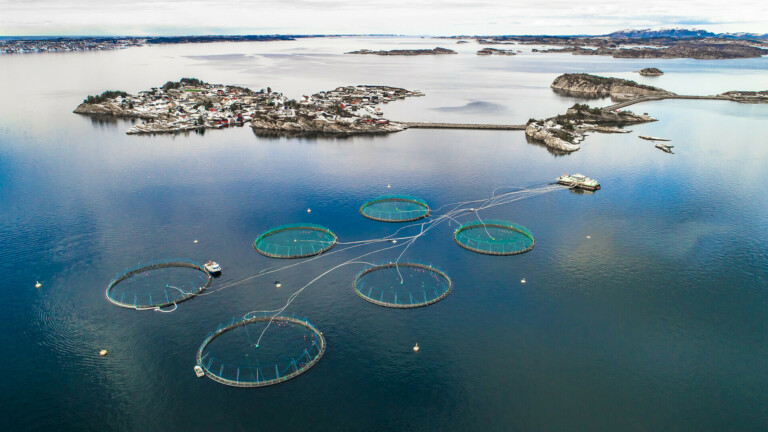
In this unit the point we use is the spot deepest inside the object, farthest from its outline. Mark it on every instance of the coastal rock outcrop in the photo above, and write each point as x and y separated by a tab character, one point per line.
582	113
549	136
747	96
409	52
111	108
318	125
496	51
651	71
596	86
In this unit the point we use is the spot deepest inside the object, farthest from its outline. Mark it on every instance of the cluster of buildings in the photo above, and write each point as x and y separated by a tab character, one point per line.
191	104
66	45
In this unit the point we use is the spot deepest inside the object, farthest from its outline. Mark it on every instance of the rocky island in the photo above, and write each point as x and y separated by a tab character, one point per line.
496	51
586	85
191	104
563	133
652	71
402	52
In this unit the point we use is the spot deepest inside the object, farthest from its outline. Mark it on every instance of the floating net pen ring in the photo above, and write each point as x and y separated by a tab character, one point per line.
295	241
164	296
261	375
385	285
494	237
395	208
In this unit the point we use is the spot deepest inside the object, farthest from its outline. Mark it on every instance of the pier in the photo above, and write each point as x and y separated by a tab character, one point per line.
425	125
652	98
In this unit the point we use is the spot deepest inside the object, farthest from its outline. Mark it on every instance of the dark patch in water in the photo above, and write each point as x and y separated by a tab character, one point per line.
218	57
474	107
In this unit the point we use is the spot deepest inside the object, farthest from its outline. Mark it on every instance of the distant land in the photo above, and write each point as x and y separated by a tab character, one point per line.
629	43
684	33
665	44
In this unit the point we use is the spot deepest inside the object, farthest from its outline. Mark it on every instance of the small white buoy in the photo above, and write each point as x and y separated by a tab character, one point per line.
522	281
38	284
103	353
195	242
309	210
589	237
389	186
416	348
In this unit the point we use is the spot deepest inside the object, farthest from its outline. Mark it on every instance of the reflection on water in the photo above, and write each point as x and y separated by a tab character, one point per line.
644	300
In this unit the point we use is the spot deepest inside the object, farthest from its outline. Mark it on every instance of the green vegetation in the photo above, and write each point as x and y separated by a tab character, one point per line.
584	108
192	82
606	82
291	104
564	121
109	94
563	135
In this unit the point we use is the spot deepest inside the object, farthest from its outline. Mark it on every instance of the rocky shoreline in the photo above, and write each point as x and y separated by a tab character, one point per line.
496	51
564	133
652	71
586	85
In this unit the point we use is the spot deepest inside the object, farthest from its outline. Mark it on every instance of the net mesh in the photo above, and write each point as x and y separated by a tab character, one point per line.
395	208
246	353
494	237
402	285
295	241
157	284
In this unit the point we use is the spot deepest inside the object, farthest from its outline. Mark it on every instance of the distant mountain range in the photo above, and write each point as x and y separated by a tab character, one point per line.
683	33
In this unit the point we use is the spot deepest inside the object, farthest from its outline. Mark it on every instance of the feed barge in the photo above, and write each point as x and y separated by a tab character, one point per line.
578	181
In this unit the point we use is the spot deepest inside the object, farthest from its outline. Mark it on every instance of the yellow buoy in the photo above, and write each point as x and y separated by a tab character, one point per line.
309	210
388	186
103	353
416	348
589	237
195	241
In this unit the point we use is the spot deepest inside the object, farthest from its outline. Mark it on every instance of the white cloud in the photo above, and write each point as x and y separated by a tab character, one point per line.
29	17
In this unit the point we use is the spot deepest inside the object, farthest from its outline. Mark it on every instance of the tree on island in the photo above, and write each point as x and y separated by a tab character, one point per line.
109	94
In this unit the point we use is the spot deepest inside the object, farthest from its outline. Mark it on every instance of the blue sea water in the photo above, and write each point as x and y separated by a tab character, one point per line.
645	307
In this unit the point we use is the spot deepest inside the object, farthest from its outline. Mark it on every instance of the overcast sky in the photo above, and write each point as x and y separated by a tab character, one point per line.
413	17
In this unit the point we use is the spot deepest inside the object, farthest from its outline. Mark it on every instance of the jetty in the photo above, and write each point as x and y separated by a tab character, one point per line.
653	98
426	125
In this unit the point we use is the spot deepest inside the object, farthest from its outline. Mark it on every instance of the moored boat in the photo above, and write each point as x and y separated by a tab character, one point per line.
212	267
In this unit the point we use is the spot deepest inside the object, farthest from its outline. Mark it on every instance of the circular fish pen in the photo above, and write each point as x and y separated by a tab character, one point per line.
395	208
158	284
295	241
494	237
260	351
402	285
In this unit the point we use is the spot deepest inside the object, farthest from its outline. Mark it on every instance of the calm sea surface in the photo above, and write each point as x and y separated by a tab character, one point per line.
645	307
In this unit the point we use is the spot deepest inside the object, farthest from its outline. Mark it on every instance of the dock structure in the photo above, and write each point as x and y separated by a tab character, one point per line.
653	98
427	125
